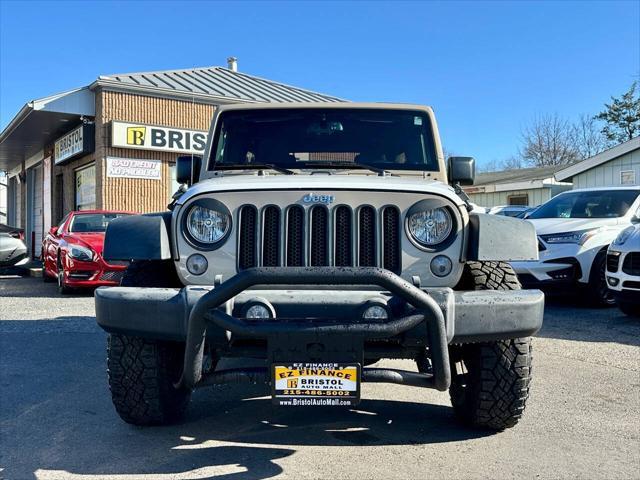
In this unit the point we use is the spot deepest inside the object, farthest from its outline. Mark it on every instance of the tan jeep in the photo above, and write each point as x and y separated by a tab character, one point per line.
321	238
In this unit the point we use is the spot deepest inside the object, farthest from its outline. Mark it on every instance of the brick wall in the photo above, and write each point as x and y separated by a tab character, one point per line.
140	195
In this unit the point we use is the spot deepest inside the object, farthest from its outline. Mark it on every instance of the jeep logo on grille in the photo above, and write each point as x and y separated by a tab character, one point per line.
315	198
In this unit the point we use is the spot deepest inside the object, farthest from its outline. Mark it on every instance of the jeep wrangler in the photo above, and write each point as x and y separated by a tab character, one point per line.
320	239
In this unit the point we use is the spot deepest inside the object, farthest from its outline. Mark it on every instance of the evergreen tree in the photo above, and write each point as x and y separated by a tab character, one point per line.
622	117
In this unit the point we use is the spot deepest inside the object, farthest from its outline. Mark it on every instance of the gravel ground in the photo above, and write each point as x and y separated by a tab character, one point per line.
57	421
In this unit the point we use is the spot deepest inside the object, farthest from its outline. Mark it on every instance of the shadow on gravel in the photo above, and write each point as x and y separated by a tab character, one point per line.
58	421
570	318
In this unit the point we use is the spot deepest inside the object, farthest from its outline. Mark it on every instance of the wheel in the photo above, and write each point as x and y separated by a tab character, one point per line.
142	372
629	308
490	380
63	289
46	278
599	294
488	276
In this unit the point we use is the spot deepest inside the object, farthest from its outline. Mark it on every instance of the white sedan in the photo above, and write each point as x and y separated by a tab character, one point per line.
574	229
623	270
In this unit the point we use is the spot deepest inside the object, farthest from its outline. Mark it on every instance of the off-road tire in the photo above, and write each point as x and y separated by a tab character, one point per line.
490	380
598	293
488	276
142	373
630	309
492	389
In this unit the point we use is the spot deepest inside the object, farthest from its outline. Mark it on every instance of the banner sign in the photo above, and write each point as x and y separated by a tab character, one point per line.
78	142
163	139
133	168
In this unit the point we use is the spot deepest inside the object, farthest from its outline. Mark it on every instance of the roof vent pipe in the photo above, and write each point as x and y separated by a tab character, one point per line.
232	64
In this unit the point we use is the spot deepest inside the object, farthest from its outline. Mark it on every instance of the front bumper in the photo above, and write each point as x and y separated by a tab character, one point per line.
326	321
97	273
619	280
558	264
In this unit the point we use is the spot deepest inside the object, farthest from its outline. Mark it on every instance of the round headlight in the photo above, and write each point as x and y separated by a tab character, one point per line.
430	227
206	225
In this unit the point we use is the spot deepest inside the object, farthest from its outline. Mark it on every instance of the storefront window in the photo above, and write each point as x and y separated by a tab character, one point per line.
86	188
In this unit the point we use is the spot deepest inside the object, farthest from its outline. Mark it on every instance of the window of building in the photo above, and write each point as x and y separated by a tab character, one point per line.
86	188
521	199
628	177
59	196
173	183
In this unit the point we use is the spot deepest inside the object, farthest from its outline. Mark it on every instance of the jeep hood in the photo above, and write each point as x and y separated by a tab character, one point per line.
320	182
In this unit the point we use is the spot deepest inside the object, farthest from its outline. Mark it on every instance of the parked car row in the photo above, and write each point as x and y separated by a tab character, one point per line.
575	229
72	252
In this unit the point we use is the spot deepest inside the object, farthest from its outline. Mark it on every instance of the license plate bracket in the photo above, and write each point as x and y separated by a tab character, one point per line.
315	384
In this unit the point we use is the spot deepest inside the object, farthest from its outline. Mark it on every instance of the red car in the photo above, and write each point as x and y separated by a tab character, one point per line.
72	252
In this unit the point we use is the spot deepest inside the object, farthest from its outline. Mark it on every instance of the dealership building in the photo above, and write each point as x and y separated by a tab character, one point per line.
519	186
113	144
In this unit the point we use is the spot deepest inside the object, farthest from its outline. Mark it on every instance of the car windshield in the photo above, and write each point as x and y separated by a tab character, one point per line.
324	138
593	204
92	222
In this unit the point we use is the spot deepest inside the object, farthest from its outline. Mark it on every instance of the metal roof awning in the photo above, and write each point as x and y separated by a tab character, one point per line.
41	122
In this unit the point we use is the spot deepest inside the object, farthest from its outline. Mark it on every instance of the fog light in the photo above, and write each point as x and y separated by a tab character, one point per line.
197	264
613	281
258	311
375	312
441	266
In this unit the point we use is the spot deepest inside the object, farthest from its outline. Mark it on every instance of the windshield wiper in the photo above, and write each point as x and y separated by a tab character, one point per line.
252	166
346	166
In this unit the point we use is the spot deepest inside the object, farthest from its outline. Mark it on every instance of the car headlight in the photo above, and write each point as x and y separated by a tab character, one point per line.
83	254
624	235
206	225
431	226
578	237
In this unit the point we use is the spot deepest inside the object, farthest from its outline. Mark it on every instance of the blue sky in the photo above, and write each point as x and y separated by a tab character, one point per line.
487	68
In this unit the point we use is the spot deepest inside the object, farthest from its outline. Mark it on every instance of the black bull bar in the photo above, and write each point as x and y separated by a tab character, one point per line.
207	310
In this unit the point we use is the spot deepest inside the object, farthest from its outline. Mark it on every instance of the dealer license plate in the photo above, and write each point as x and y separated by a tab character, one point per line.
316	384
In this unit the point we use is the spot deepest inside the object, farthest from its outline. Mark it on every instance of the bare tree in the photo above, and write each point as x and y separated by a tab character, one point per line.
512	163
548	141
490	166
588	139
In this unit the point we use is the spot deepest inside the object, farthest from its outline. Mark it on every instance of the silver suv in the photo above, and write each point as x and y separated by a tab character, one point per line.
321	239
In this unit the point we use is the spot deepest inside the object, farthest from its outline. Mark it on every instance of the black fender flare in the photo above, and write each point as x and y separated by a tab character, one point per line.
139	237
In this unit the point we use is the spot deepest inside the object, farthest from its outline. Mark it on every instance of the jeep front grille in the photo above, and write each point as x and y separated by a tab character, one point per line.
319	236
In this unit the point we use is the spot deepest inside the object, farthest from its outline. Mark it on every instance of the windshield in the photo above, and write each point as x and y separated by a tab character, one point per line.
594	204
92	222
317	138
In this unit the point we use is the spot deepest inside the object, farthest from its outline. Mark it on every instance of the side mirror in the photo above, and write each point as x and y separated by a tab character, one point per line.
53	230
461	170
188	169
